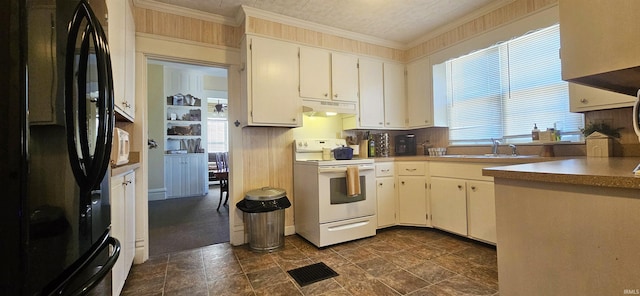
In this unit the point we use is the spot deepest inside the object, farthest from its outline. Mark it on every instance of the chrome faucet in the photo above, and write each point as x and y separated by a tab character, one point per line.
514	150
494	150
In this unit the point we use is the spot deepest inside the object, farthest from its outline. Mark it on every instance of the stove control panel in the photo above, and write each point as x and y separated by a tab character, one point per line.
316	145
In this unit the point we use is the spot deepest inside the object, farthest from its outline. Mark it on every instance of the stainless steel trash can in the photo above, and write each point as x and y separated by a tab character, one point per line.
264	217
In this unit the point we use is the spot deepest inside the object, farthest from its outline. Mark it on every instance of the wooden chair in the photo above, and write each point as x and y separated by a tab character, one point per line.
222	174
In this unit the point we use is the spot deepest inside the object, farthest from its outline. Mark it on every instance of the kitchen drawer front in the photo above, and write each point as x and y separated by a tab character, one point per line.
472	171
411	168
384	169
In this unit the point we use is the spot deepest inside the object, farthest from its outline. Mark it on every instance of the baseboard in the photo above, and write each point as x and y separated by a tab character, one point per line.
289	230
157	194
139	256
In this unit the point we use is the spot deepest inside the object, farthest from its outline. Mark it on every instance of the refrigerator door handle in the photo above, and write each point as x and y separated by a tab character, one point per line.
58	286
88	169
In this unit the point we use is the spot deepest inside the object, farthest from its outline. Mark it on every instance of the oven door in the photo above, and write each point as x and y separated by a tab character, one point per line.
335	204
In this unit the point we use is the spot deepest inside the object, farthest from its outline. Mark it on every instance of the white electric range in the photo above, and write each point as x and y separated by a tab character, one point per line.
324	213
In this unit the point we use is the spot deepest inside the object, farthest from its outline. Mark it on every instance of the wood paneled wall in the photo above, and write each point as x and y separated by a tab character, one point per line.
268	161
306	36
501	16
176	26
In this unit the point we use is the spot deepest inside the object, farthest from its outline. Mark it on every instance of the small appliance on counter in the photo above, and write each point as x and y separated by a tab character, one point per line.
405	145
120	147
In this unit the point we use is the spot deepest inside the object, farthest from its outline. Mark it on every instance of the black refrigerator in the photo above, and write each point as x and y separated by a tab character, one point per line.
57	119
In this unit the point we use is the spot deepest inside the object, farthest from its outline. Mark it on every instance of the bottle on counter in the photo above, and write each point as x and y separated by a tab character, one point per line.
535	133
372	147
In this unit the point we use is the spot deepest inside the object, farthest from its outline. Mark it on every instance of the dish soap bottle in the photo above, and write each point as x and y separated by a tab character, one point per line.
535	133
372	147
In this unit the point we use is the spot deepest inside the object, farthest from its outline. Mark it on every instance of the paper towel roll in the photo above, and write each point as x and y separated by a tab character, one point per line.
364	149
353	181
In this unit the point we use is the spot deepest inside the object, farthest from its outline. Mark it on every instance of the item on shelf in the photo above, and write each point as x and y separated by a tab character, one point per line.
195	129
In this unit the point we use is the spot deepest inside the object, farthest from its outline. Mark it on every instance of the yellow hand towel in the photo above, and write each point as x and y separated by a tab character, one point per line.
353	181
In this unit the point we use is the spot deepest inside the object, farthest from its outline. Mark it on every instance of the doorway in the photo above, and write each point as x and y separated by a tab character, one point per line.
187	118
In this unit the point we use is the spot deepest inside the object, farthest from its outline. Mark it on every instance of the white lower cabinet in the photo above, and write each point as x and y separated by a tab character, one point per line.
449	204
123	226
185	175
481	205
412	193
386	194
462	200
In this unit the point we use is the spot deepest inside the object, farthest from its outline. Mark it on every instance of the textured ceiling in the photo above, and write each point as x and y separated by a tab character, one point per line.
400	21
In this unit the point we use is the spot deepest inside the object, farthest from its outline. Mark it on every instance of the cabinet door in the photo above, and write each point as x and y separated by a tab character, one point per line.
118	231
129	244
419	110
449	204
394	96
598	37
482	210
117	47
274	83
315	75
344	77
195	175
412	200
583	98
386	199
130	61
174	171
371	94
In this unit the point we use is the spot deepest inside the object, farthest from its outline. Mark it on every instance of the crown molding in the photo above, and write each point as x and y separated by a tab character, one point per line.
463	20
186	12
287	20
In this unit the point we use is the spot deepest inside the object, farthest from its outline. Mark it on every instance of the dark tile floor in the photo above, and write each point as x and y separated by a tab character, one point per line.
397	261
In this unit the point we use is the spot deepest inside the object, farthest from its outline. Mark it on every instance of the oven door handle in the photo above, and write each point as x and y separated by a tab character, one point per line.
344	169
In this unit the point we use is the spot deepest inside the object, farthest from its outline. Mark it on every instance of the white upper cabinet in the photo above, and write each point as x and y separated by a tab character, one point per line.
419	107
272	83
583	98
315	73
394	95
599	43
371	94
326	75
344	77
121	35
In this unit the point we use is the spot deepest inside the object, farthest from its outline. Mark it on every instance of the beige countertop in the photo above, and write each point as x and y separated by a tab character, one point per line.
604	172
468	158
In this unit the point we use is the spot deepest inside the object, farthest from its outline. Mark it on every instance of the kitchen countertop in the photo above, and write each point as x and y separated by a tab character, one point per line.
469	158
602	172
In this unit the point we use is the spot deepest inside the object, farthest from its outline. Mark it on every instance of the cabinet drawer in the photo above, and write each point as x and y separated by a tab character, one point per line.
472	171
411	169
384	169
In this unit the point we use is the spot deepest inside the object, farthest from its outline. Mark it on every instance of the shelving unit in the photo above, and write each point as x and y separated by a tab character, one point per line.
185	170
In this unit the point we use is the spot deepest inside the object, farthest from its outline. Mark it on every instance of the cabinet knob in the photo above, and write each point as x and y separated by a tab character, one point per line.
380	123
402	182
326	95
293	119
473	188
380	184
335	95
388	123
584	101
459	187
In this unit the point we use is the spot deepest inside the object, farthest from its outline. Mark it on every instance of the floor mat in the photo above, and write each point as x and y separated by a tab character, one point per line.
312	273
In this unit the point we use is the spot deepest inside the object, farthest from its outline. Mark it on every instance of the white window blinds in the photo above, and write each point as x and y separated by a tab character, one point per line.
501	91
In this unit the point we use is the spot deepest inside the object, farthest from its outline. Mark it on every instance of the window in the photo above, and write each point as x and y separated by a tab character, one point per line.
217	135
500	92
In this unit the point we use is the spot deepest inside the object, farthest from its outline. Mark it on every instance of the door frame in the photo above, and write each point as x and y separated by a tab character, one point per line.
184	51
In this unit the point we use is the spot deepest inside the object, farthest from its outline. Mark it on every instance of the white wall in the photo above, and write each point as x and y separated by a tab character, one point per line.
319	127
